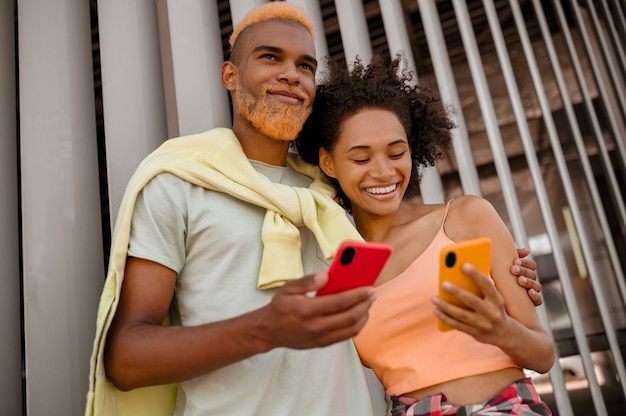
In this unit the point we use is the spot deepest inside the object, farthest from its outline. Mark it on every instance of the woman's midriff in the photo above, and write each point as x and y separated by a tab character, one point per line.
472	389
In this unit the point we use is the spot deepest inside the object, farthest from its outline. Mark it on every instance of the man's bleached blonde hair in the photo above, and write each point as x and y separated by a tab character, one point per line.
277	10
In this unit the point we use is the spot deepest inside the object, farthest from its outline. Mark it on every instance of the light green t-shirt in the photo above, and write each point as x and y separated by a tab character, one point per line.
213	241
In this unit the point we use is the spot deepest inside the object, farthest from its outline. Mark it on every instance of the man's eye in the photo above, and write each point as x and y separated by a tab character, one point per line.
269	56
308	67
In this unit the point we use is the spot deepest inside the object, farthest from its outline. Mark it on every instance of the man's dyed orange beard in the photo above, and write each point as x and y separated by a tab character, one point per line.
275	119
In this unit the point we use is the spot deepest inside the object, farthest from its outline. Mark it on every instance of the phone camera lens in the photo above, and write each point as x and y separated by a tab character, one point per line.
450	259
348	255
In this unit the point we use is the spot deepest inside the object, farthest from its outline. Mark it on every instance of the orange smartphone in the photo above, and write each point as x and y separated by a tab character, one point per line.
357	263
476	252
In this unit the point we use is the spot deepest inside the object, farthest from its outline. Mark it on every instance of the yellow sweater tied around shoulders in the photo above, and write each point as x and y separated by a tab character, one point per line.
215	161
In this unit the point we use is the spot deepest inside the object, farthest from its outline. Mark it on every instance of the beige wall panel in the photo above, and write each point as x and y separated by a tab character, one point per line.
10	346
354	32
132	89
239	8
191	50
62	239
312	8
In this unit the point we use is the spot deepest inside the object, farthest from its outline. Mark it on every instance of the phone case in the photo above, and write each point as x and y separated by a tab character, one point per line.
476	252
356	264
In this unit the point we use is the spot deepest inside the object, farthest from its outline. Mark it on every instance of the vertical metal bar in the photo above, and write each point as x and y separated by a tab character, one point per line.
192	56
614	36
447	87
617	83
62	234
618	14
354	32
580	226
597	73
239	8
614	94
395	29
491	121
10	325
132	89
556	373
312	8
431	187
582	149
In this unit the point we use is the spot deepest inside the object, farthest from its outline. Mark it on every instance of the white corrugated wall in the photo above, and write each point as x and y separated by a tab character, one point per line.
87	89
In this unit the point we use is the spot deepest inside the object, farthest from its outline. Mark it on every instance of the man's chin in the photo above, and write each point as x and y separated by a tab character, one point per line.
284	135
281	129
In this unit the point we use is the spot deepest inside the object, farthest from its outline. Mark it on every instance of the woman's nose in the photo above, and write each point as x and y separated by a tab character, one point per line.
382	169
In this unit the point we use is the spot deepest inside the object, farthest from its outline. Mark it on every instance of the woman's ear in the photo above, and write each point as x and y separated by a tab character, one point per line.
326	163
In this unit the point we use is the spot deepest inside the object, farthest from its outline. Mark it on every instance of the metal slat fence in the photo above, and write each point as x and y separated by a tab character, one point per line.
88	89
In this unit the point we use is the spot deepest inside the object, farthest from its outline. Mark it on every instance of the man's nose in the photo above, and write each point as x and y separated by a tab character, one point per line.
289	73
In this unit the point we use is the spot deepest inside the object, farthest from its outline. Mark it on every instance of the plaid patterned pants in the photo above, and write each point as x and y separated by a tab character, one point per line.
520	398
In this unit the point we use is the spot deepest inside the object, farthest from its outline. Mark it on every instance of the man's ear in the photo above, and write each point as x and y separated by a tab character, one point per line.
326	163
229	76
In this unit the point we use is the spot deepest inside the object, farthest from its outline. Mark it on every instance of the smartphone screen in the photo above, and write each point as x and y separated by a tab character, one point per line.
356	264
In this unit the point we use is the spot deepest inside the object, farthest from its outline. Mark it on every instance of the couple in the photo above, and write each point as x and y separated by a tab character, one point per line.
225	267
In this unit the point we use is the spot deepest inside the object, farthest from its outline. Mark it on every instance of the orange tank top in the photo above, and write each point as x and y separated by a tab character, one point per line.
401	342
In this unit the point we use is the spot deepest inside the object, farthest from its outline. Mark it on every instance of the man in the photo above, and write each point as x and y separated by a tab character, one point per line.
219	233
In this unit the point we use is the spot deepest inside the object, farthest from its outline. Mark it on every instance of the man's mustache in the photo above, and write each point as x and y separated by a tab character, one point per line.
286	89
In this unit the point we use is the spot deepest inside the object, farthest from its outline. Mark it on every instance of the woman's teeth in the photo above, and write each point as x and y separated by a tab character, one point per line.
378	190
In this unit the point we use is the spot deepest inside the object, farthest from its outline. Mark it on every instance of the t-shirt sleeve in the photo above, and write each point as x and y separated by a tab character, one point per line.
159	223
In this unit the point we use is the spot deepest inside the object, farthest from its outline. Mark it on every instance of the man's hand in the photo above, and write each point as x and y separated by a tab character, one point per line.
525	268
138	344
293	319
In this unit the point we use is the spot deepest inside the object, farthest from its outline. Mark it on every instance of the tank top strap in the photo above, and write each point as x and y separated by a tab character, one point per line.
445	215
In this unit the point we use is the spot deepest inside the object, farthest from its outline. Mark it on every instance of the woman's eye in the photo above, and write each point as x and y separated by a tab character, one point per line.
398	155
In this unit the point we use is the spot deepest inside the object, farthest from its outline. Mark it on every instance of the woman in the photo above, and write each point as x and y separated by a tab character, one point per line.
369	132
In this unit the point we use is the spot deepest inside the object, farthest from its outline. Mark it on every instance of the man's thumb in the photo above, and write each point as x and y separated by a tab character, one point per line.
308	283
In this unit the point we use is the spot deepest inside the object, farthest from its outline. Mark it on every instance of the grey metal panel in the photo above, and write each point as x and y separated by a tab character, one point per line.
599	135
449	93
132	89
431	187
556	373
239	8
491	121
62	239
191	52
602	78
583	229
608	56
312	8
10	326
354	33
582	150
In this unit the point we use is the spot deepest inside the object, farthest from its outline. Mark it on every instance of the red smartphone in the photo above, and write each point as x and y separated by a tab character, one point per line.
357	263
476	252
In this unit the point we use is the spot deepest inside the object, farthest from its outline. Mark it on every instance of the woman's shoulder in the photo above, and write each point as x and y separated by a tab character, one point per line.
470	205
468	215
413	213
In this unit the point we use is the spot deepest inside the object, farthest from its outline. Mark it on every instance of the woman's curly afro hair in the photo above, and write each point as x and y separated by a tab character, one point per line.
384	84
